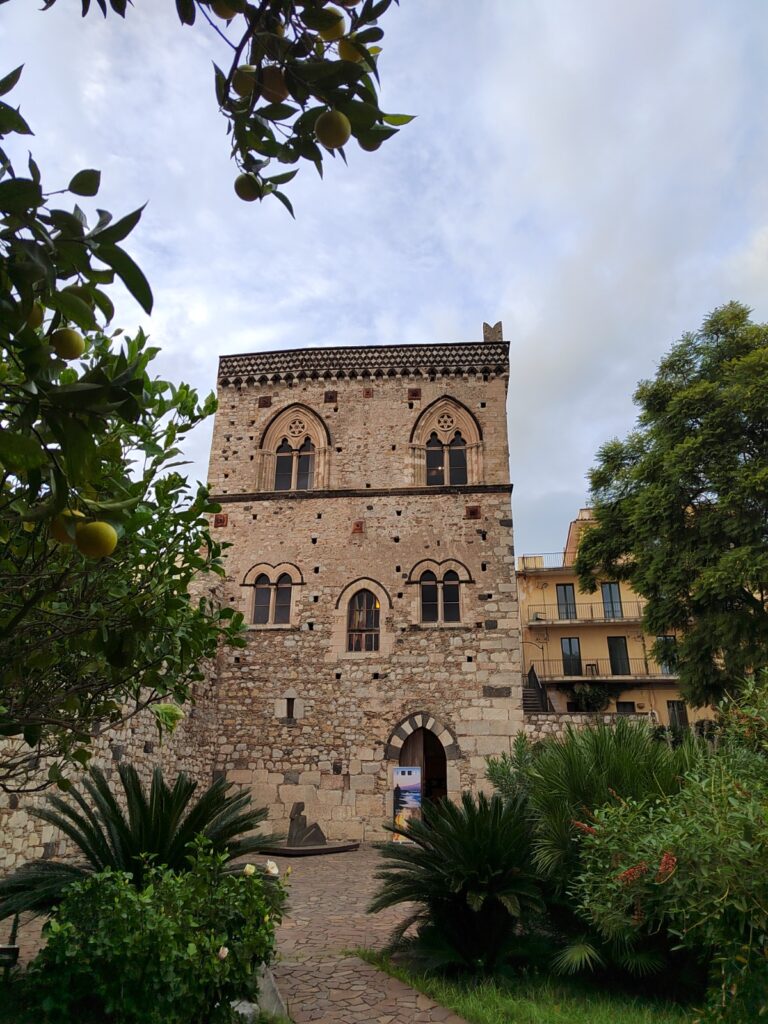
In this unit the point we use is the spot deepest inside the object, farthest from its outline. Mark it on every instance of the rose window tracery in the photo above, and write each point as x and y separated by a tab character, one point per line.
297	427
445	421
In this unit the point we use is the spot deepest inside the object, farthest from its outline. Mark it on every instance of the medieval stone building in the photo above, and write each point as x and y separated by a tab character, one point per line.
365	492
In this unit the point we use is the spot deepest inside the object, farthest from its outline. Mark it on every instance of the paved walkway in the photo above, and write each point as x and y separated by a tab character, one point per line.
327	918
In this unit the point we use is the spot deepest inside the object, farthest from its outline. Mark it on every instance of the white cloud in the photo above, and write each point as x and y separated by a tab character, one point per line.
593	174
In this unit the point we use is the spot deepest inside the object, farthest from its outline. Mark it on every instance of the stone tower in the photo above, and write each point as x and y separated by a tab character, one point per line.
366	495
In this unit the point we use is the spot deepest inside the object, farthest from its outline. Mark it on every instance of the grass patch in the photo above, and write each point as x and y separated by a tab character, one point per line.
537	1000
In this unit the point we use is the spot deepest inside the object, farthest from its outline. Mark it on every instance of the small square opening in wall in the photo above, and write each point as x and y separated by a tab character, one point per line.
482	405
316	569
330	397
400	594
470	658
336	767
367	392
265	401
369	508
358	526
319	515
414	394
254	516
472	512
310	626
375	675
338	451
398	511
483	566
315	598
290	707
338	675
314	540
220	519
397	568
483	535
394	447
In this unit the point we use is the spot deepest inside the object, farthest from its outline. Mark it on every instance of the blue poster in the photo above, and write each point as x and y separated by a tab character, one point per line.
407	797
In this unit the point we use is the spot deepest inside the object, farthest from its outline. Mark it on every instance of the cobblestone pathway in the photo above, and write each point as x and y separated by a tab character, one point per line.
326	918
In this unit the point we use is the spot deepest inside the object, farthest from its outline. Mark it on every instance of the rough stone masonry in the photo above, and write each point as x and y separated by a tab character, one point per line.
365	492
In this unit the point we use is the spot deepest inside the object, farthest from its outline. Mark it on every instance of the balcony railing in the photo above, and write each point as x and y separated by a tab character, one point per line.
600	668
628	611
549	560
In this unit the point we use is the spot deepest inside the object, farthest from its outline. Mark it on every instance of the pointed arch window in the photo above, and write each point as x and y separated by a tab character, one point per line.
272	601
363	622
294	467
440	599
446	463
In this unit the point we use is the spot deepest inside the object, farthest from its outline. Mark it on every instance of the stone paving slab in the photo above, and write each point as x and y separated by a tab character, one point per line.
319	977
347	990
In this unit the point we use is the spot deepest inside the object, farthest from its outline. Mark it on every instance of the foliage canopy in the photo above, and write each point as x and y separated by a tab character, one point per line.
290	63
92	440
681	505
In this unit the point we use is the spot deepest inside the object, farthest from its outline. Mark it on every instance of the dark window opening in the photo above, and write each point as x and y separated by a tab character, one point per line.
625	707
571	651
306	462
451	610
457	459
284	466
283	600
363	622
290	707
678	714
262	594
618	656
429	606
566	601
435	470
611	600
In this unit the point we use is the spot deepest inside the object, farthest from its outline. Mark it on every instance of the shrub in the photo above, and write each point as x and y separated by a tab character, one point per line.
563	781
467	868
176	950
694	864
138	830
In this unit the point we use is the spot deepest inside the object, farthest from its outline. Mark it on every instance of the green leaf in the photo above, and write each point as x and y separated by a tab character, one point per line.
128	272
19	195
10	80
398	119
120	229
12	121
85	183
186	11
73	308
20	452
285	201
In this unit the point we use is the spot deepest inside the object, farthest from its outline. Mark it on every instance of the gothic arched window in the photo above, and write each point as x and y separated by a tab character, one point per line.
294	467
446	463
430	610
446	445
272	601
363	622
440	600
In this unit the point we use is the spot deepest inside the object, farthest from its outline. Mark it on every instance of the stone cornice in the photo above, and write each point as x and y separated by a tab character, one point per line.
358	492
366	362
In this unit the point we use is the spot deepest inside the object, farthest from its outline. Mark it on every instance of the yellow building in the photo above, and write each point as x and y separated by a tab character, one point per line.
581	650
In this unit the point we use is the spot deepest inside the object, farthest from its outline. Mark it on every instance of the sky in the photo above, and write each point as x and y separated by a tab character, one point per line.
593	174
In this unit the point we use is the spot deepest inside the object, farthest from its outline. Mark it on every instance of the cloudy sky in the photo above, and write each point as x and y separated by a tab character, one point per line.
592	173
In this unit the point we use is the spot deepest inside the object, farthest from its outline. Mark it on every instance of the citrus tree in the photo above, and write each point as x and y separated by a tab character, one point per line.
100	536
300	84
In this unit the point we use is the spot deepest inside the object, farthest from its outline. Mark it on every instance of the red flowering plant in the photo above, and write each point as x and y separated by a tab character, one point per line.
693	865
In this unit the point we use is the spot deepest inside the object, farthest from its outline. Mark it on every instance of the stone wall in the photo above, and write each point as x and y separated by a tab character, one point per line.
368	522
542	725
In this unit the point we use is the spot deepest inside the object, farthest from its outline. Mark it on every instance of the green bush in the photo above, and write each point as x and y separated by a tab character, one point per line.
561	783
467	868
695	864
129	830
176	950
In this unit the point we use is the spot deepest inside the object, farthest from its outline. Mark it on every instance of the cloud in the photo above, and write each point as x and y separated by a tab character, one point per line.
593	174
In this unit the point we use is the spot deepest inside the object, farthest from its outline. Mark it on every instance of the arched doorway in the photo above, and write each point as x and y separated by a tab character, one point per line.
424	750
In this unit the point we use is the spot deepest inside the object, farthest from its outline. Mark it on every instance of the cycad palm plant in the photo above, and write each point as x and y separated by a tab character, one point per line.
126	834
467	868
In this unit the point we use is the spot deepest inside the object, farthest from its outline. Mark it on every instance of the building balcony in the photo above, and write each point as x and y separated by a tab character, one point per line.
602	669
545	562
584	613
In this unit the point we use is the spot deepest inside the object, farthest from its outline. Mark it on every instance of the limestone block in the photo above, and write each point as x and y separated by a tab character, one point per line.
362	784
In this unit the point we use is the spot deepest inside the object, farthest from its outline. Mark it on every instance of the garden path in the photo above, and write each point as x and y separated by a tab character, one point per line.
326	918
